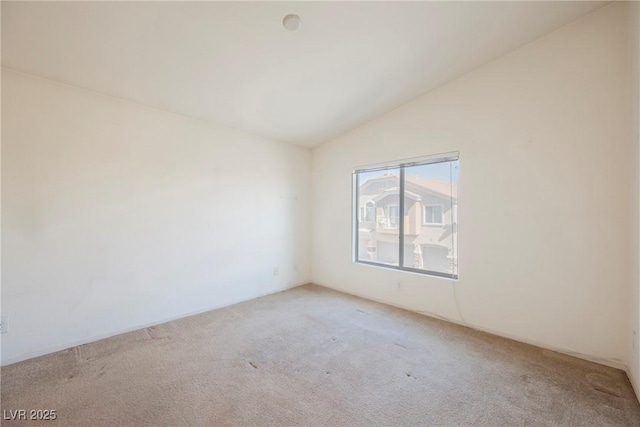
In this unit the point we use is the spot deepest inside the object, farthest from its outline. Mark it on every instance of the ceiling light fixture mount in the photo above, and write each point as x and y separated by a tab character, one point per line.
291	22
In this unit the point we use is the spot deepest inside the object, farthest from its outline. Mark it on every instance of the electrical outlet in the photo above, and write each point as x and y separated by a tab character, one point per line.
275	271
4	325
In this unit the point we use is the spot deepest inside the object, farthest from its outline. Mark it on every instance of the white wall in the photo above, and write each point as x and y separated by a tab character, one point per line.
543	135
118	216
634	56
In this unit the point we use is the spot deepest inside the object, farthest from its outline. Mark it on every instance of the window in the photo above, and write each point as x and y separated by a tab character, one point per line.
368	212
397	206
393	216
432	215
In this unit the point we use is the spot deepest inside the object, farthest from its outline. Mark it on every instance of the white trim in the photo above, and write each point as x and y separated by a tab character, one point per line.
98	337
636	390
611	362
424	222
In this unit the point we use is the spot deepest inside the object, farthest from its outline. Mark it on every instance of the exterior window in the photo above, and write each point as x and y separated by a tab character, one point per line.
393	216
396	208
432	215
368	212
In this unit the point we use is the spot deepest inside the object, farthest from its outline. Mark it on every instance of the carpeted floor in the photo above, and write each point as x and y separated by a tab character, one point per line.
311	356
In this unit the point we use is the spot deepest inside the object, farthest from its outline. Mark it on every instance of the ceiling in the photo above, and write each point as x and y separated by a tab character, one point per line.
233	62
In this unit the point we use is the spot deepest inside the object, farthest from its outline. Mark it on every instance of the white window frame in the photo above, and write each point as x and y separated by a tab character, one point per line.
424	214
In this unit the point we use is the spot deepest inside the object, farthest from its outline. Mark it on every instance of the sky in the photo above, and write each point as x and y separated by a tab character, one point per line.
443	171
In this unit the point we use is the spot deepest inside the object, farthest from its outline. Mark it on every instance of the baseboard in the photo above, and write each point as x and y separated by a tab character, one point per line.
63	347
635	387
612	363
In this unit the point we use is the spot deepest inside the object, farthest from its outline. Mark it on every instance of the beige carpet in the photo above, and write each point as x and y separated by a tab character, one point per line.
311	356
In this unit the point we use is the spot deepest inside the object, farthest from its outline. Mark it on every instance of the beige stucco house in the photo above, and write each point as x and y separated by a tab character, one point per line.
430	223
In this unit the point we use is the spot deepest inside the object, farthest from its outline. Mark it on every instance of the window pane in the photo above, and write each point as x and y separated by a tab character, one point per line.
428	214
437	214
430	240
378	228
370	212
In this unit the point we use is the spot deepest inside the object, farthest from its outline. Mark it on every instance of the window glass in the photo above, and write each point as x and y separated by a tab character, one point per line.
407	217
430	242
379	221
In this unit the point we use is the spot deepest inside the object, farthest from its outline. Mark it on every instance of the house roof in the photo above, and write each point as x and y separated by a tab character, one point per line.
441	187
417	183
394	191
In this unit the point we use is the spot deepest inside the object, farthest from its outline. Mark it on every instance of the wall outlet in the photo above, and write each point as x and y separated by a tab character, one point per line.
400	285
275	271
4	325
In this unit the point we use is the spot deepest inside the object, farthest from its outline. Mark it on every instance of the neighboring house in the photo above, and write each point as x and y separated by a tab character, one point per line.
430	225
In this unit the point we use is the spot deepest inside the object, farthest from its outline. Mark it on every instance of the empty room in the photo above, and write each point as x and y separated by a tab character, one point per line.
320	213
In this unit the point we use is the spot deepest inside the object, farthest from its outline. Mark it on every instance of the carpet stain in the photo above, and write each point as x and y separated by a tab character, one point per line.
400	345
604	384
147	331
253	365
77	351
607	391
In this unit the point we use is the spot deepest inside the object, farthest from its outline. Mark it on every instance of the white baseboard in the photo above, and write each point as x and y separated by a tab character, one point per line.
95	338
635	386
613	363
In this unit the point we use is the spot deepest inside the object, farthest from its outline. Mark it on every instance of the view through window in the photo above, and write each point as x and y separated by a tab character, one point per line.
406	216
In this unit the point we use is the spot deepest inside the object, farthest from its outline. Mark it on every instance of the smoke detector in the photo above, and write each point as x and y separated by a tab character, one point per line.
292	22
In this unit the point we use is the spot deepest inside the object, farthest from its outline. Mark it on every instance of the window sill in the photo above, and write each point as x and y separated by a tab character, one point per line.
436	274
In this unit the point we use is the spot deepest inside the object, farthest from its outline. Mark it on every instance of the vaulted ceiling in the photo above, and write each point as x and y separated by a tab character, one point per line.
233	63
